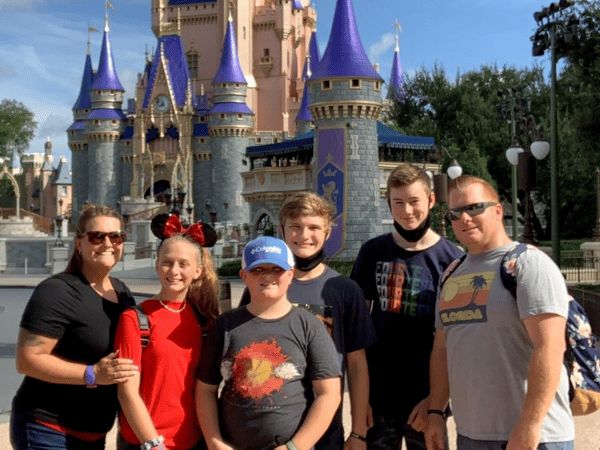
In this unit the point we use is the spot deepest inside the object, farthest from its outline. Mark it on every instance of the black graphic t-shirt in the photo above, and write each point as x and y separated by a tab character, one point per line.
267	367
402	286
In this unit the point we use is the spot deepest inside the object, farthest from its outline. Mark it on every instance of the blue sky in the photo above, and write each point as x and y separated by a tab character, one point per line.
43	44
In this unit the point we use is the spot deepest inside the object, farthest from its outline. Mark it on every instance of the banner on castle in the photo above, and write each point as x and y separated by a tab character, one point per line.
331	182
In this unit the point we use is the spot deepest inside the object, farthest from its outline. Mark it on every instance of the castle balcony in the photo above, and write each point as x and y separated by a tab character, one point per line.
265	63
268	181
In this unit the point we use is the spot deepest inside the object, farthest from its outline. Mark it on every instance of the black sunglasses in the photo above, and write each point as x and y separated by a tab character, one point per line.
98	237
474	209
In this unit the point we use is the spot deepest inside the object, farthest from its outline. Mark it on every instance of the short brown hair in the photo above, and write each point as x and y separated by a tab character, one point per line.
466	180
405	175
307	203
89	213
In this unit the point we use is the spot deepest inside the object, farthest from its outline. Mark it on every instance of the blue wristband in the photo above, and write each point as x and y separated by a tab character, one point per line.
89	377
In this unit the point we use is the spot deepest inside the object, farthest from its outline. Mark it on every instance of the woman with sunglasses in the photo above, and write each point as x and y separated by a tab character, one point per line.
68	398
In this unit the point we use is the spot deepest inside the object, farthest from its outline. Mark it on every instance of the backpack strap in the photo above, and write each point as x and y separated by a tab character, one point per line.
144	325
508	267
450	270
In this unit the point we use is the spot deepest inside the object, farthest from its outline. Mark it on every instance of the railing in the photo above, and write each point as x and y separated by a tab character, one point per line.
40	223
580	269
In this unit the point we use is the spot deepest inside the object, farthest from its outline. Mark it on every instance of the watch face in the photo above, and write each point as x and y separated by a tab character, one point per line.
161	103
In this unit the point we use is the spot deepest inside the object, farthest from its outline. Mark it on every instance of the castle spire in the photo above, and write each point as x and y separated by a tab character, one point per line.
396	89
313	57
83	100
345	55
106	78
229	70
304	114
297	4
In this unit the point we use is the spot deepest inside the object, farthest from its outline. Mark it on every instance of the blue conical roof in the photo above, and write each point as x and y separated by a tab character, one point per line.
315	56
229	70
304	114
106	77
396	89
345	55
297	4
83	101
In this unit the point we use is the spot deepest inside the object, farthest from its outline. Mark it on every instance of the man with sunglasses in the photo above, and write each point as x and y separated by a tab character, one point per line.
499	358
399	273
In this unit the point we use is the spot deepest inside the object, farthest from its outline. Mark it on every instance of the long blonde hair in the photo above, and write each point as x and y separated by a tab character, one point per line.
204	292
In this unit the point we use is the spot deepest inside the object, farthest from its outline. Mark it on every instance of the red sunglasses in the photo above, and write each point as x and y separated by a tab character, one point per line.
98	237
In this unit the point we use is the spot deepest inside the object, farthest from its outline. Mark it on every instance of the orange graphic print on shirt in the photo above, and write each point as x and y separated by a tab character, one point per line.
259	369
464	298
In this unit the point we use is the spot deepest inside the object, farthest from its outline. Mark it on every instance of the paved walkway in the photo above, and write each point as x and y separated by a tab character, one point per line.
144	282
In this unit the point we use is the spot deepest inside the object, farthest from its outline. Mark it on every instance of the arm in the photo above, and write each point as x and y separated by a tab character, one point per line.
439	393
547	332
358	387
208	415
135	410
328	396
34	358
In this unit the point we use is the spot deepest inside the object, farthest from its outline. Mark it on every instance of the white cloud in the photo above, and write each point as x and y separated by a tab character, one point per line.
384	43
7	71
53	126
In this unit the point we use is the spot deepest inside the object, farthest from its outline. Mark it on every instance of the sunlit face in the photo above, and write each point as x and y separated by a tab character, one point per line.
104	255
477	233
267	282
410	204
177	267
305	235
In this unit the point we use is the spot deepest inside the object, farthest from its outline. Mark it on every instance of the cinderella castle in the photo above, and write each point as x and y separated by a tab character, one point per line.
231	130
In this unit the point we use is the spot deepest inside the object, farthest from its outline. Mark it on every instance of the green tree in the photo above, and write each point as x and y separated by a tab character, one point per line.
16	128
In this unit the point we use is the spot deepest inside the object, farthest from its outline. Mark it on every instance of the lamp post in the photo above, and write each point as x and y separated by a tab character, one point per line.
59	220
556	27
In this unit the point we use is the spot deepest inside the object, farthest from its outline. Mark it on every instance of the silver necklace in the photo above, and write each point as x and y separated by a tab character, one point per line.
168	308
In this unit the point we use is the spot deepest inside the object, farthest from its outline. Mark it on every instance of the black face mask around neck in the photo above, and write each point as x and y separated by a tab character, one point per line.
417	233
308	264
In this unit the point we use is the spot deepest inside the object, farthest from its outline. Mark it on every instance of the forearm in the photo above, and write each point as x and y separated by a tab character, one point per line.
136	412
439	393
358	387
319	415
208	415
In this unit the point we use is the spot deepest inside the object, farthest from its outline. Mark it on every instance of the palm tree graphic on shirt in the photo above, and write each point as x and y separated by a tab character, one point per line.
477	283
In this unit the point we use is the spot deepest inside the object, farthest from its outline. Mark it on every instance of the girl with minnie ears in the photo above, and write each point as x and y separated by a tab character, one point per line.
158	406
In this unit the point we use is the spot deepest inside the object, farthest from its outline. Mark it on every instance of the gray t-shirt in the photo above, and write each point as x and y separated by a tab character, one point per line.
488	348
267	367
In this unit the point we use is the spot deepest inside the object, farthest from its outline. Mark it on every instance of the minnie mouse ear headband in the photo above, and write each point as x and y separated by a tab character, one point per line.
164	226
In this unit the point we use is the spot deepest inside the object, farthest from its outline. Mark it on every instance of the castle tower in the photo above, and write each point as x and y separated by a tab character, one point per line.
345	92
46	173
396	89
230	125
103	128
76	136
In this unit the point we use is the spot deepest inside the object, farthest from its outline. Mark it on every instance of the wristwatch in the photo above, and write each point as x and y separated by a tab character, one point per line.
149	445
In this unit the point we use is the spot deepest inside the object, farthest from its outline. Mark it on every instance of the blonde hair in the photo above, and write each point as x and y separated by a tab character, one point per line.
466	180
88	213
205	291
307	203
405	175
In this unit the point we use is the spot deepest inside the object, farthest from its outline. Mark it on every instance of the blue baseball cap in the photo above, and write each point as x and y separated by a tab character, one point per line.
267	250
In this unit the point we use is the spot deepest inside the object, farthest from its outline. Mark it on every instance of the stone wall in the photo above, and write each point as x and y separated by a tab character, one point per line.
35	250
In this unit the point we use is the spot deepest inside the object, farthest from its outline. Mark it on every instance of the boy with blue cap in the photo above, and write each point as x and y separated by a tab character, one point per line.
279	366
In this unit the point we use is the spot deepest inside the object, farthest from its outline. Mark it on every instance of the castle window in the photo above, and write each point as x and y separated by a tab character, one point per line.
237	85
202	140
203	119
192	60
222	116
355	83
113	122
258	140
378	86
240	116
326	85
96	122
224	85
266	52
244	32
